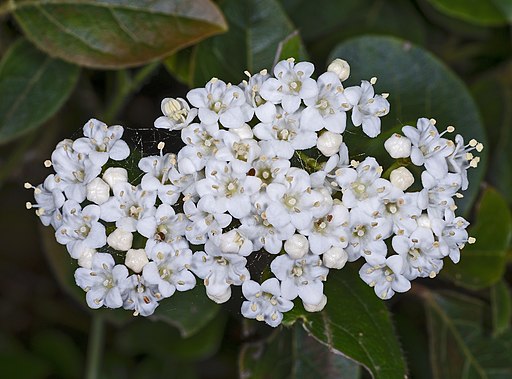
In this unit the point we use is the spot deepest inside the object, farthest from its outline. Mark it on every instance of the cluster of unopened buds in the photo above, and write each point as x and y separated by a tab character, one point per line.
264	170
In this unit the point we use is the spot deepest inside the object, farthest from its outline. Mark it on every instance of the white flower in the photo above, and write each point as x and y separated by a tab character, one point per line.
316	307
386	278
437	194
270	168
203	141
115	175
398	146
220	102
235	148
335	257
219	271
102	142
327	109
254	102
422	256
340	67
157	169
428	148
162	226
292	200
265	302
85	259
401	178
207	220
136	259
235	242
297	246
169	268
120	240
367	107
230	186
49	199
292	83
329	143
283	134
103	283
302	277
80	228
461	158
141	297
453	236
128	205
329	230
98	191
177	114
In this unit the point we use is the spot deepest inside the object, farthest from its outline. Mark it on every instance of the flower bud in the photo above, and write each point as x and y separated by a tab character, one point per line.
398	146
136	259
340	68
120	240
335	257
329	143
244	132
401	178
85	259
114	175
98	191
233	242
297	246
316	307
424	221
219	298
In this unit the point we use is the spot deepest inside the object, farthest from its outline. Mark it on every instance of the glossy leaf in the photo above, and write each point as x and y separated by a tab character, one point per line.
256	27
33	87
419	86
116	33
291	47
501	306
460	345
479	12
483	263
355	323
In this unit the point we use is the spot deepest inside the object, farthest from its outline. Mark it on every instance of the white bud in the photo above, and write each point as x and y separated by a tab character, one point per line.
244	132
120	239
114	175
219	298
316	307
85	259
136	259
398	146
424	221
401	178
297	246
329	143
231	242
335	257
98	191
340	68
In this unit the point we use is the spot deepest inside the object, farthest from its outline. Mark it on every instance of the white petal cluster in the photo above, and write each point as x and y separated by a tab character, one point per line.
264	170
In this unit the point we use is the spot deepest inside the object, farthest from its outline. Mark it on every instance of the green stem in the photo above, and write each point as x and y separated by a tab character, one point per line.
311	163
95	347
127	86
400	162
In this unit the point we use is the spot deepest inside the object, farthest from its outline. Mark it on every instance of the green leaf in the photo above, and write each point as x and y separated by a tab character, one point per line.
501	306
479	12
494	98
293	354
419	86
356	324
483	263
116	33
33	87
189	311
256	27
505	6
460	345
178	65
291	47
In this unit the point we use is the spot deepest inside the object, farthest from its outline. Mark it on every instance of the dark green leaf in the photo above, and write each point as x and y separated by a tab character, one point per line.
291	47
256	27
483	263
189	311
178	65
33	87
116	33
479	12
505	6
419	86
501	306
356	324
460	345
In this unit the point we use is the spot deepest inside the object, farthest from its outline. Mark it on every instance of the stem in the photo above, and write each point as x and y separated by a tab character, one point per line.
95	347
311	163
400	162
127	86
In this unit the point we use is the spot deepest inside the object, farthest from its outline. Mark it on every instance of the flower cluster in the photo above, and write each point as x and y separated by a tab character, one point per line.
264	169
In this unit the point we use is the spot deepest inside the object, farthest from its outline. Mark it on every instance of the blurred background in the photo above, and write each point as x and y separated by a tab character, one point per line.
63	63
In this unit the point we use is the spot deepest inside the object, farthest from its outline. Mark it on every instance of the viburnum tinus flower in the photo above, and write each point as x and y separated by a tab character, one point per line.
265	177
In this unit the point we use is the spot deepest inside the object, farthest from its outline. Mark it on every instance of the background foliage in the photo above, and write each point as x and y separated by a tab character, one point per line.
63	62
